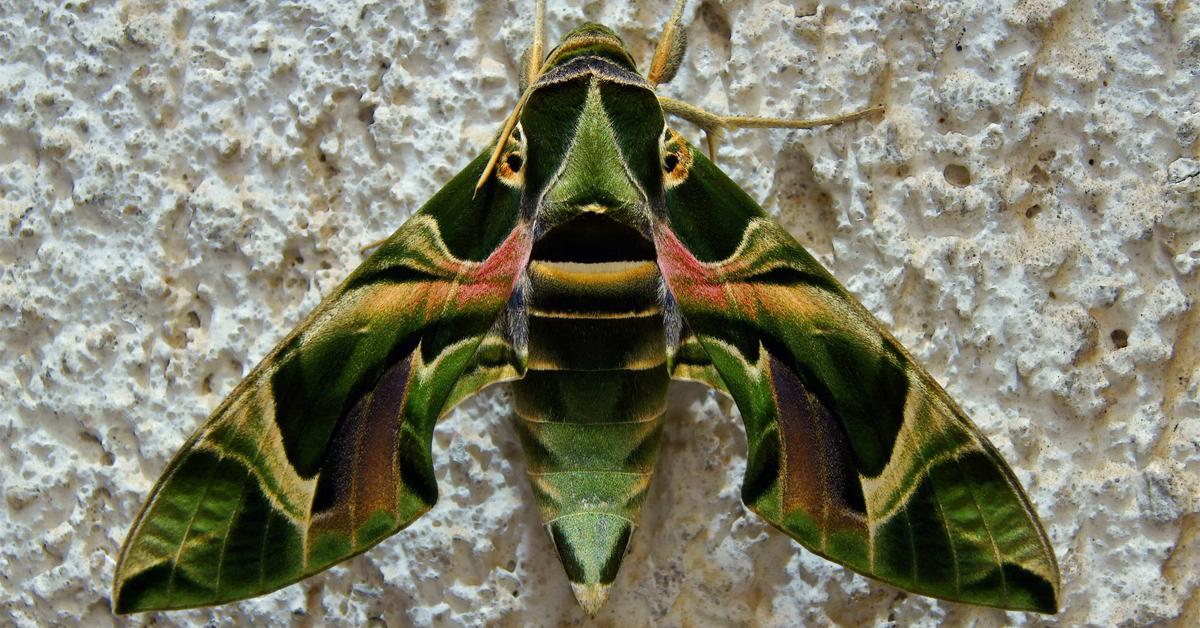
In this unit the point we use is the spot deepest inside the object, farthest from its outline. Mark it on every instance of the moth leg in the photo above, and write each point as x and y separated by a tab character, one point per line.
669	54
372	245
756	122
711	138
712	124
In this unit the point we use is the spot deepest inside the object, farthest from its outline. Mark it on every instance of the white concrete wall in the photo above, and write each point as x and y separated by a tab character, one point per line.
180	182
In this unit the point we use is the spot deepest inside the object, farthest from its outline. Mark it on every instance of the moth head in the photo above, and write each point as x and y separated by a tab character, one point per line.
591	40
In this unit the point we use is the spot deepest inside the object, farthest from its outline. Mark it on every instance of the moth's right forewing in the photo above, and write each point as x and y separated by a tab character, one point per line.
854	450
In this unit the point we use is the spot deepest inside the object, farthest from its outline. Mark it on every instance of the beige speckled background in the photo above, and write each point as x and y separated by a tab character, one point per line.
181	181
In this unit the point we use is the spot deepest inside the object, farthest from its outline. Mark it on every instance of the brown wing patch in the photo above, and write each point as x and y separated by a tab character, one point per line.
361	475
816	474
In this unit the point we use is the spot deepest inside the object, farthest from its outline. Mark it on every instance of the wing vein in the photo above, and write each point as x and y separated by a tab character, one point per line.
188	530
937	501
986	528
225	538
237	510
262	555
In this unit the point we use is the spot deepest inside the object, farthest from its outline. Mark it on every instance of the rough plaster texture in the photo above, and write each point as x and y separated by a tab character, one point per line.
182	181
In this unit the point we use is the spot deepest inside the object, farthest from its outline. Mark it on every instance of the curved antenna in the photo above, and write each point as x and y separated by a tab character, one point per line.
564	49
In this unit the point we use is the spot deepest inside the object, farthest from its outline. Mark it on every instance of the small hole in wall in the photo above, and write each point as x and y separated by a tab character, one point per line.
957	175
1038	176
1120	338
366	114
1033	211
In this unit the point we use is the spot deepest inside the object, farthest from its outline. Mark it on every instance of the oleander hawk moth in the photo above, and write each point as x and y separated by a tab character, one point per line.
589	256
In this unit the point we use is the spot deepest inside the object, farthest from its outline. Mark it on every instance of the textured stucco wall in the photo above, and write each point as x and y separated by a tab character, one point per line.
180	182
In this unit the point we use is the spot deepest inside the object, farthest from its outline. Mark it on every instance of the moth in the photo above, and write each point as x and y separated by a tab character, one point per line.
590	256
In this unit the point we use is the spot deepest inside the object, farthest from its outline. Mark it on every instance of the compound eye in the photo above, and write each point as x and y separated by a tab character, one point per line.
676	158
509	170
514	161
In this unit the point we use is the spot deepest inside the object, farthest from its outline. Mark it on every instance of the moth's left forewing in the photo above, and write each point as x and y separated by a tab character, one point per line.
854	450
325	448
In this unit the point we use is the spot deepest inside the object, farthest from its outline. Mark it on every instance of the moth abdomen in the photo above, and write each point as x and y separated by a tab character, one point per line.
590	407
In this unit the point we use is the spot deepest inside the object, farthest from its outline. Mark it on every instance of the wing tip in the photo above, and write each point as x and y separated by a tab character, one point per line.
1032	593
